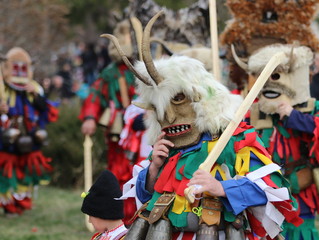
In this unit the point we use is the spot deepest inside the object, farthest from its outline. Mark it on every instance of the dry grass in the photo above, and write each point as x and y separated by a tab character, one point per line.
56	215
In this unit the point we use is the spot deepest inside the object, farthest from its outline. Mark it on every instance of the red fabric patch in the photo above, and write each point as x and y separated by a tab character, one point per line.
256	225
269	182
36	162
9	163
186	235
53	113
25	203
294	144
122	68
286	209
250	140
310	197
167	176
118	164
92	104
315	147
242	127
182	186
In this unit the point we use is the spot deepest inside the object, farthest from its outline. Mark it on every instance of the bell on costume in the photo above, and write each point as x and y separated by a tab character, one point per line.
206	232
41	137
138	230
10	135
24	144
160	230
234	234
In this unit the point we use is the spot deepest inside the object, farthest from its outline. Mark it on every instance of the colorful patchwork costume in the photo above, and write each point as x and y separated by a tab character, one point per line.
188	108
22	164
284	114
292	139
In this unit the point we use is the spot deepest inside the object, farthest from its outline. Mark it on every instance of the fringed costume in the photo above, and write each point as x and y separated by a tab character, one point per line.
188	110
22	164
258	31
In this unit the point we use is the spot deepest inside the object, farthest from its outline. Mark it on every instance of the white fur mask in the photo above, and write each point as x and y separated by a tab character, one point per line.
212	102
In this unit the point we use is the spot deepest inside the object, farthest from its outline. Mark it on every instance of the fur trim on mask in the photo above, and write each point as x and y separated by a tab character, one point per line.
302	56
214	110
291	24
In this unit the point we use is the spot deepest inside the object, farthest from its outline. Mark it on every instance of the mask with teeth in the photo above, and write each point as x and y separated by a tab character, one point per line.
183	99
179	122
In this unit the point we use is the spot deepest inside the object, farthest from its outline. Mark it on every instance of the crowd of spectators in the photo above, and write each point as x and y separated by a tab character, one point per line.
77	67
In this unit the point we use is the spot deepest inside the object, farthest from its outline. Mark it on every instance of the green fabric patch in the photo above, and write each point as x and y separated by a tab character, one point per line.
110	76
228	216
193	159
178	220
8	183
265	137
280	128
228	155
154	198
305	231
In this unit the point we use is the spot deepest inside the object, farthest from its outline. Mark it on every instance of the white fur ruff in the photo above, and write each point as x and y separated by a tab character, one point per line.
214	110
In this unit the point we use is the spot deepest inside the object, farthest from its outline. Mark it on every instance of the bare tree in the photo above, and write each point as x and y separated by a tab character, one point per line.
39	26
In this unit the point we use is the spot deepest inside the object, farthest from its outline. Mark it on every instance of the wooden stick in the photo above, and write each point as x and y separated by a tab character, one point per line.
244	107
124	92
87	145
2	88
214	39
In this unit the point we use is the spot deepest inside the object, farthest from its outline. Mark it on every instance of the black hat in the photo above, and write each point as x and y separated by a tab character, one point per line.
100	202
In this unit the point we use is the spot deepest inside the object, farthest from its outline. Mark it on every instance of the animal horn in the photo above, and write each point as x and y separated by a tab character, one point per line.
240	63
146	51
138	30
125	59
291	59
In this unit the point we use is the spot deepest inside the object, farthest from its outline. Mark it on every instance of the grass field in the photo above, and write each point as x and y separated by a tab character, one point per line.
56	215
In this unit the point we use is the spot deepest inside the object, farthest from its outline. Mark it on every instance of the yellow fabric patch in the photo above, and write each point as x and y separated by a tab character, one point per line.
218	168
181	205
242	161
211	144
24	189
11	96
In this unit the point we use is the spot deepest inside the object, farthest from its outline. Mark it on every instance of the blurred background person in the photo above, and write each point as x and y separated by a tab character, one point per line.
89	60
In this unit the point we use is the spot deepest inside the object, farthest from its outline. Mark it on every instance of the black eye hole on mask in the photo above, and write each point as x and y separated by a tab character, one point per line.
275	76
179	98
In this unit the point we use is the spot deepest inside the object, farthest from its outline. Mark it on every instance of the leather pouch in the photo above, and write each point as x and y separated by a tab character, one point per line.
211	211
161	206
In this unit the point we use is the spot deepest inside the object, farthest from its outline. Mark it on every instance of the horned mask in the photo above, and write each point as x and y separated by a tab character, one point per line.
290	80
18	69
182	98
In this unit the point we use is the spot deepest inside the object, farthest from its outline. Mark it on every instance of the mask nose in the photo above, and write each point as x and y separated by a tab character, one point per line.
170	114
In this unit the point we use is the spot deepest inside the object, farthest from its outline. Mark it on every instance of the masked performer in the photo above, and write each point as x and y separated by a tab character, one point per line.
188	110
109	96
25	113
287	119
